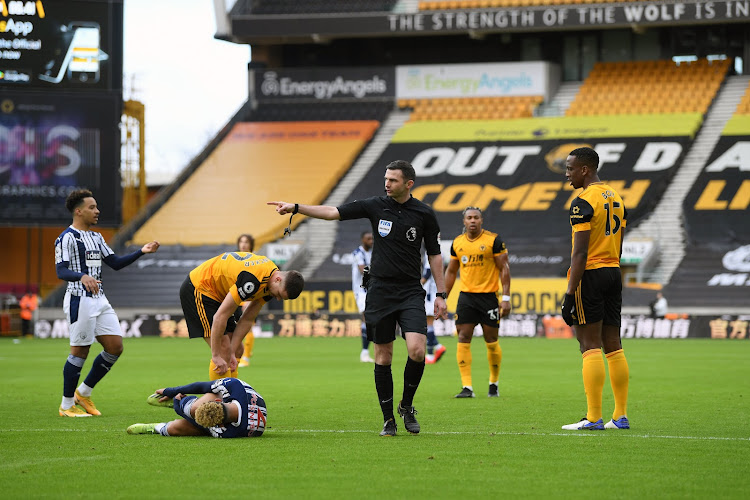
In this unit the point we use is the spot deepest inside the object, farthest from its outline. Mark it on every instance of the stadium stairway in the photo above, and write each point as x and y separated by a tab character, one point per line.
320	235
665	224
557	106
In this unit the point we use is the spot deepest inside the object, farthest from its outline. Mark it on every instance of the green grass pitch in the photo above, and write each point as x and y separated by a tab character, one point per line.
689	407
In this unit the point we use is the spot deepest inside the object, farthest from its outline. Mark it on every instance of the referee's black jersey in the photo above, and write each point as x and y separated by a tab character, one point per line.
398	230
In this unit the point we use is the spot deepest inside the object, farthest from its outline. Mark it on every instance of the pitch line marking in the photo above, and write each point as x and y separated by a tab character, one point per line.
565	434
584	434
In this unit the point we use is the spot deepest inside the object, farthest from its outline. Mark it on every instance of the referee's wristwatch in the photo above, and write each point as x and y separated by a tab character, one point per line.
444	295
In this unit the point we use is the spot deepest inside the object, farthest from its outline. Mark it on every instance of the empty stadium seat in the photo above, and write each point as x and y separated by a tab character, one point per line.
471	108
256	163
644	87
322	111
312	6
743	108
494	4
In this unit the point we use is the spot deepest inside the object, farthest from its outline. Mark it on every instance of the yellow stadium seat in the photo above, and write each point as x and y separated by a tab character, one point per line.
310	167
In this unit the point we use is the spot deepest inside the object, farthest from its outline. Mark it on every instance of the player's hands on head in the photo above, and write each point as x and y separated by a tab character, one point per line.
90	284
150	247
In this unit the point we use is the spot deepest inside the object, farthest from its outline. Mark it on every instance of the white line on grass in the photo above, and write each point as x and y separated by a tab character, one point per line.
565	434
439	433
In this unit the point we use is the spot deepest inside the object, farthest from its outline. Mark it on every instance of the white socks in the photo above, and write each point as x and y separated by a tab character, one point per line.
84	390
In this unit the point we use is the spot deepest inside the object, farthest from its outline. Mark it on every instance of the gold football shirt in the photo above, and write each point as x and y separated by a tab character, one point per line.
243	274
476	257
600	209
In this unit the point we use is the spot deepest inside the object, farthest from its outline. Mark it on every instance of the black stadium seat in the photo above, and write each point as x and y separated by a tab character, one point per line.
311	6
322	111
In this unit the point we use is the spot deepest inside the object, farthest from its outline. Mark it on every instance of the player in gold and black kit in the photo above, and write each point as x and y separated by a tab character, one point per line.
483	259
593	300
213	291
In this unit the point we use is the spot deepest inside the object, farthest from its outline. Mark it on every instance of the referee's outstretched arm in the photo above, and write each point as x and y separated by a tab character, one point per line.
316	211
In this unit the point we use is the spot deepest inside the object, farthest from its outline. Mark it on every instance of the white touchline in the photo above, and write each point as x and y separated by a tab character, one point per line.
591	434
584	434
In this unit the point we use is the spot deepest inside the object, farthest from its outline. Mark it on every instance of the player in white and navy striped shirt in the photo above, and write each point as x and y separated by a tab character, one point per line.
79	253
361	258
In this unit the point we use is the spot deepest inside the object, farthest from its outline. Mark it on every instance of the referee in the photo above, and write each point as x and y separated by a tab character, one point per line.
394	294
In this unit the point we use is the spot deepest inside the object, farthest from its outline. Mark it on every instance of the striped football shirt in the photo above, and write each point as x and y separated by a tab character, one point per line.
83	251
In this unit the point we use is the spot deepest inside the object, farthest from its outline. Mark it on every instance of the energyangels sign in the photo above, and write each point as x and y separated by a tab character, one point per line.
323	84
513	19
404	82
472	80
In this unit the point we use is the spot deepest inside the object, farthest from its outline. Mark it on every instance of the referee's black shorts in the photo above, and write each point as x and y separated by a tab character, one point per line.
599	296
199	311
394	302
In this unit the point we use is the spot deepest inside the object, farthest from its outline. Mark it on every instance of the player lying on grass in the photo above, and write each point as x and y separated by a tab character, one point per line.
227	408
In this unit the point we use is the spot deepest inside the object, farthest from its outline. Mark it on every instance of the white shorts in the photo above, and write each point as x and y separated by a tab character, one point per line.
430	289
90	317
360	296
429	306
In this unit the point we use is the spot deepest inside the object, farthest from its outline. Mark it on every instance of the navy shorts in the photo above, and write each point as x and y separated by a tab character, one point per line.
390	303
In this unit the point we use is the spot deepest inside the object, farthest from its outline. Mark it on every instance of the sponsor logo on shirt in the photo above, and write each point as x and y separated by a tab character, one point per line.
93	258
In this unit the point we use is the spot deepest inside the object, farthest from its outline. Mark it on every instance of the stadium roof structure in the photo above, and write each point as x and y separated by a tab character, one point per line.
270	22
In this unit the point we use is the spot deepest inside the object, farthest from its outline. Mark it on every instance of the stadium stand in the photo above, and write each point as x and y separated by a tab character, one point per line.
261	7
485	4
471	108
715	270
703	282
154	280
264	160
649	87
651	95
743	108
672	220
294	150
317	111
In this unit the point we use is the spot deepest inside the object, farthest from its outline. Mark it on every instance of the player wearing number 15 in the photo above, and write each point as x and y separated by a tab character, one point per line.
593	300
213	291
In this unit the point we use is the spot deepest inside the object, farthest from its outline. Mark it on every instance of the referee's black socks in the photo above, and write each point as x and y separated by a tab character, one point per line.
384	386
412	376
